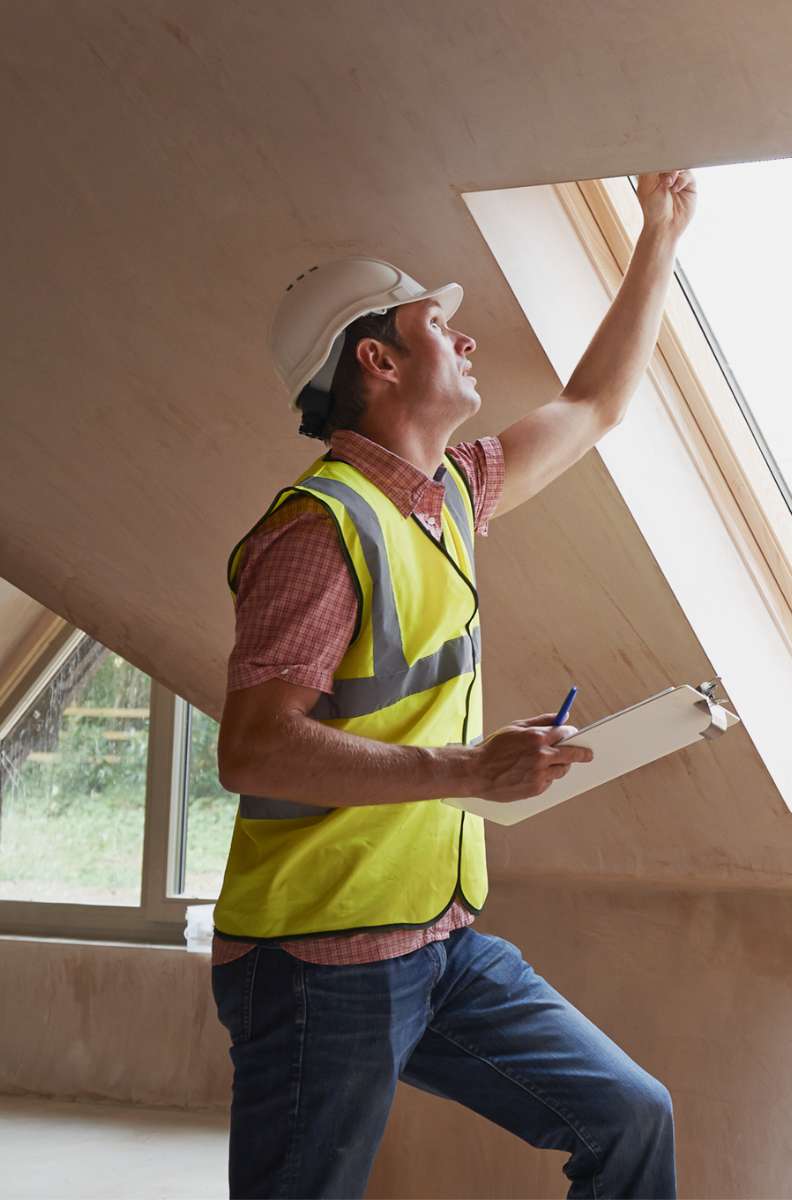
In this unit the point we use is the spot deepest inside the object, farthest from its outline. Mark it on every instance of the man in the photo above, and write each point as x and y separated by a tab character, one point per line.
345	957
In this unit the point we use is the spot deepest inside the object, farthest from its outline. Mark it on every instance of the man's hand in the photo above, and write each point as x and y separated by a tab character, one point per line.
522	759
668	200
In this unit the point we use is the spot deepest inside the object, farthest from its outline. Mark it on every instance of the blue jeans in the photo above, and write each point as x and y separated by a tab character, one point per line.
317	1051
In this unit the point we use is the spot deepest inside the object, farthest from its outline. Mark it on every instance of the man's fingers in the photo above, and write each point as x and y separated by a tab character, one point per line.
573	754
530	722
559	732
677	180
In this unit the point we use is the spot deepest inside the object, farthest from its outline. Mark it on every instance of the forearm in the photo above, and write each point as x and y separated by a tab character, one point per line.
612	366
306	761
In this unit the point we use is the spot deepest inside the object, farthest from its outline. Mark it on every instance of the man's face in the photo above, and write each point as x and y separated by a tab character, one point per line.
436	372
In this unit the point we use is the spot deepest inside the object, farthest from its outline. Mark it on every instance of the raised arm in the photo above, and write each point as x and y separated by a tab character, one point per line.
545	443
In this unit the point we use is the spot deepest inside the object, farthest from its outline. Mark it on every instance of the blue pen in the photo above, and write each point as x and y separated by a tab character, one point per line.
563	711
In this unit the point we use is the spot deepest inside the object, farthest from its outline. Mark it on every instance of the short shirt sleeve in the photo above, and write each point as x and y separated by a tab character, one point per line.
483	464
296	607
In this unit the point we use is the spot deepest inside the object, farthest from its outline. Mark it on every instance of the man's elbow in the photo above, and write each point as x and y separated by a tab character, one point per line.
255	728
227	769
233	757
228	777
246	775
247	759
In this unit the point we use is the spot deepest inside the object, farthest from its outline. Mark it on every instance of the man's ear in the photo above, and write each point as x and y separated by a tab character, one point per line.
375	358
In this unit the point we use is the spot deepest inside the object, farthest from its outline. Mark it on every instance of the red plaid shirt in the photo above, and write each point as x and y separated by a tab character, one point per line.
295	615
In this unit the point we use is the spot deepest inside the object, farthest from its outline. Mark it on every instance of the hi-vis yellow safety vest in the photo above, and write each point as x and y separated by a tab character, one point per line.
410	676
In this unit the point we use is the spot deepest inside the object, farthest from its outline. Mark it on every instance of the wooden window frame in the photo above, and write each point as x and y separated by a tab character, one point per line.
607	218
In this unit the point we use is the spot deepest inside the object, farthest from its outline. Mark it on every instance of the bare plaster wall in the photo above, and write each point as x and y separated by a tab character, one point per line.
170	168
693	984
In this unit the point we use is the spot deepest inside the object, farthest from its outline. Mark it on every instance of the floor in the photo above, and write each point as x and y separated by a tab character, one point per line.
52	1150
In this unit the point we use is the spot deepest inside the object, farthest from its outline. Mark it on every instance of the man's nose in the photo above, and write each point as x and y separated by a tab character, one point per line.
465	344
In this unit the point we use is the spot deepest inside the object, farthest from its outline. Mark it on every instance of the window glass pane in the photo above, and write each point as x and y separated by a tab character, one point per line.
210	812
73	785
736	256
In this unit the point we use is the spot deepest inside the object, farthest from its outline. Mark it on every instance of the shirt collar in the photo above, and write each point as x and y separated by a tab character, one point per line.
402	482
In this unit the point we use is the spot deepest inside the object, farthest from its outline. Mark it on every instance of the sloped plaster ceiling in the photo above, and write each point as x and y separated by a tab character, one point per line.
171	166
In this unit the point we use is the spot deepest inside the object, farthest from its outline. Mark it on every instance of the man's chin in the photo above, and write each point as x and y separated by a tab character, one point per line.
467	405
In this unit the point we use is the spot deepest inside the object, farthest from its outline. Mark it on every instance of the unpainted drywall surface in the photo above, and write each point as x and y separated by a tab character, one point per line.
694	985
110	1022
171	167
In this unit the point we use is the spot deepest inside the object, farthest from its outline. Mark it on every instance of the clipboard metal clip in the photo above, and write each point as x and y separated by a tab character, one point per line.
717	715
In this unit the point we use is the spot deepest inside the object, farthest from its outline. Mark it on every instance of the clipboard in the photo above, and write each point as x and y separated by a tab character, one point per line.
622	742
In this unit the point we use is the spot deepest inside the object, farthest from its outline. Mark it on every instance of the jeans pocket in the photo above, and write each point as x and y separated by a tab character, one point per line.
232	988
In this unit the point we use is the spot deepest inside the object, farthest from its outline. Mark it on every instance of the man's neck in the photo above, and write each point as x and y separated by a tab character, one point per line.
424	450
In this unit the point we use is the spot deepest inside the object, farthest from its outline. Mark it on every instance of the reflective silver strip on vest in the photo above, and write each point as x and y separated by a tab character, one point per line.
388	654
456	503
253	808
392	679
359	697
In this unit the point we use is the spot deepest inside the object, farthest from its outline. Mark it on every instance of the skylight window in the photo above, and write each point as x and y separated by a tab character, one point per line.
736	268
687	460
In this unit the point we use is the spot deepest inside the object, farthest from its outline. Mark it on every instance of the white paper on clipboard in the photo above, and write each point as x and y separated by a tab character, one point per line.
622	742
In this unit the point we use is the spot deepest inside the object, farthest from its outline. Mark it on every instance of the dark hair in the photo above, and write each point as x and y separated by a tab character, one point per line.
348	391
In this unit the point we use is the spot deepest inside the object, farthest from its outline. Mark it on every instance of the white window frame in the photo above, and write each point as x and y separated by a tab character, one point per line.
159	918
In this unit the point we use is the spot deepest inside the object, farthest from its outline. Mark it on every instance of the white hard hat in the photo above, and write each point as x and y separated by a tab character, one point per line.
306	334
